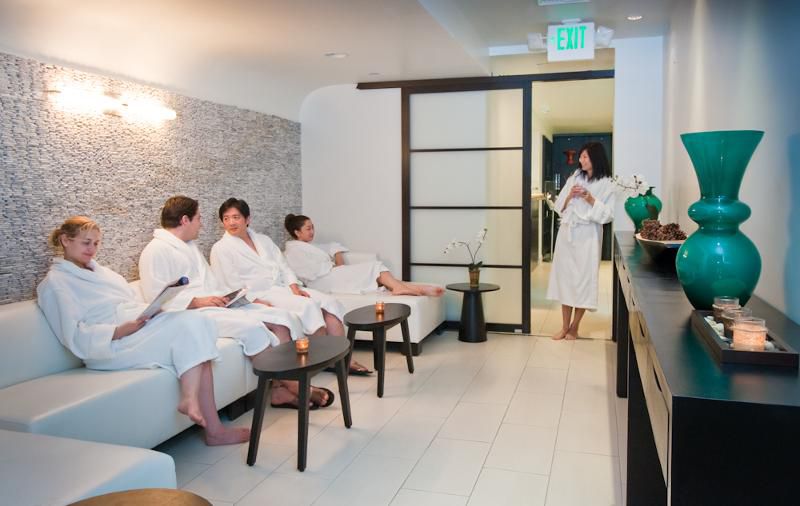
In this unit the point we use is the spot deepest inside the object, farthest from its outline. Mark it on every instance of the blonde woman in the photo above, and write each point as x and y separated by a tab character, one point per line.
94	313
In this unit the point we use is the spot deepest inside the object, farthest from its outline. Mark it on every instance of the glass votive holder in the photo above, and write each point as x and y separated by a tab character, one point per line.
723	303
749	334
301	345
728	317
379	307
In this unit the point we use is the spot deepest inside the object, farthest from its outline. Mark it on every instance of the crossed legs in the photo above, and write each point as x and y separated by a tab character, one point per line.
570	321
286	392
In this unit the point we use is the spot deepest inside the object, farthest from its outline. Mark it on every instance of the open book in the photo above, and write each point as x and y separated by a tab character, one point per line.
237	298
165	296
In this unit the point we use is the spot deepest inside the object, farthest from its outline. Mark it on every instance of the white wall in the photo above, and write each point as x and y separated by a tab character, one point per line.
638	115
732	67
351	151
350	142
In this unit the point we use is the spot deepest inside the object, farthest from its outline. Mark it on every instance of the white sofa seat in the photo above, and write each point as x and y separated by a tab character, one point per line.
427	313
37	469
44	389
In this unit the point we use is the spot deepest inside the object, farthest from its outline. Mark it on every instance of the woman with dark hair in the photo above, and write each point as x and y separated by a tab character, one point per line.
585	204
322	266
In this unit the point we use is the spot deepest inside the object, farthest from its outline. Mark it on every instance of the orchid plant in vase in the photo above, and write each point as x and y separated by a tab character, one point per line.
474	265
640	204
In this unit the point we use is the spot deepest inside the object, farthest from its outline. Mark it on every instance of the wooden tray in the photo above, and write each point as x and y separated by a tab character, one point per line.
783	356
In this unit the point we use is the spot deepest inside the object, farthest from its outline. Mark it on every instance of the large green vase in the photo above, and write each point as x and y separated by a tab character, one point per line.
718	259
643	207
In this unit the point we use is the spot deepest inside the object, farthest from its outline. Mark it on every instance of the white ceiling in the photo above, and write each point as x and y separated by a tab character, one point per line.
575	106
267	55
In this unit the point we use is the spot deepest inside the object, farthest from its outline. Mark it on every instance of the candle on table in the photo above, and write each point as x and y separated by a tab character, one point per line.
749	334
728	317
723	303
379	307
301	345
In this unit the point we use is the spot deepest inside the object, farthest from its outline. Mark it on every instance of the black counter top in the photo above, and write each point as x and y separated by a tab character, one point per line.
687	364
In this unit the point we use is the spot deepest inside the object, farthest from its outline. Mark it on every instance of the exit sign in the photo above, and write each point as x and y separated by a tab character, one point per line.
570	42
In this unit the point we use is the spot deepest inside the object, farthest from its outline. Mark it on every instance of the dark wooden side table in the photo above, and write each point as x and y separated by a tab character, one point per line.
145	496
284	363
473	325
365	318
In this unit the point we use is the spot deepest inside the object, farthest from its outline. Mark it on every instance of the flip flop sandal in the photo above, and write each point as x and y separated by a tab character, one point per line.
330	400
352	372
289	405
360	372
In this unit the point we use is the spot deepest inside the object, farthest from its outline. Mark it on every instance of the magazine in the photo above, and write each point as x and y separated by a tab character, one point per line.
237	298
165	296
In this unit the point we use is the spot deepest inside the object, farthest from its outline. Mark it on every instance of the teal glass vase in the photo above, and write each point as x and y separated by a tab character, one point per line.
643	207
718	259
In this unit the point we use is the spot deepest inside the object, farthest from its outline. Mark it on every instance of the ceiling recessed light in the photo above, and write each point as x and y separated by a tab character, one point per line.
634	17
336	55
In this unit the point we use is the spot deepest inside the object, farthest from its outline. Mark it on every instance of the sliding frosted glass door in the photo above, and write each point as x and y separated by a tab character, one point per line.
466	167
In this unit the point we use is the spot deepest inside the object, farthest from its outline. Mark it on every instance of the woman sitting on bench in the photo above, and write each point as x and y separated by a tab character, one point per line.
322	267
94	313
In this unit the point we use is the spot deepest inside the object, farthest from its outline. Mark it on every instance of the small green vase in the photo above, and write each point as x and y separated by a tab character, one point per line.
718	259
643	207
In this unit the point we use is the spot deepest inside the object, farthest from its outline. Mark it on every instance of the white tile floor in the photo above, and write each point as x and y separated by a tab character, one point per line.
515	420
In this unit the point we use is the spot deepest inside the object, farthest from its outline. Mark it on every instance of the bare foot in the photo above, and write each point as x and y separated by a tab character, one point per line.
433	291
228	436
319	396
191	409
405	291
571	336
561	334
282	395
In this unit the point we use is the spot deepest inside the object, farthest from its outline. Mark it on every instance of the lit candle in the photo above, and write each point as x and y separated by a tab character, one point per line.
379	306
301	345
749	334
731	314
723	303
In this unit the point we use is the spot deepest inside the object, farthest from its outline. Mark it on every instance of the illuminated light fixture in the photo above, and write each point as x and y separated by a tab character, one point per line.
634	17
78	98
603	36
537	43
337	56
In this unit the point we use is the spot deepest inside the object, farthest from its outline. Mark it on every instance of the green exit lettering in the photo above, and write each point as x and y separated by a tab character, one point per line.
571	37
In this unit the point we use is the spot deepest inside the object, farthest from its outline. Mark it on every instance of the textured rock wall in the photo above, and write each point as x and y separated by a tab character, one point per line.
56	163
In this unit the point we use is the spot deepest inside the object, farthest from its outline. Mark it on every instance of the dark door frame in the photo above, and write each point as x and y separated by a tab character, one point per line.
522	82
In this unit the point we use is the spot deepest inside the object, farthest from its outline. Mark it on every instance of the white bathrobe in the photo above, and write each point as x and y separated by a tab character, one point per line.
84	306
313	263
167	258
576	259
267	276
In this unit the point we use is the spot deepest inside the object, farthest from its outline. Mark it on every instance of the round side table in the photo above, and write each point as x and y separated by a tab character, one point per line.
473	326
365	318
145	496
283	362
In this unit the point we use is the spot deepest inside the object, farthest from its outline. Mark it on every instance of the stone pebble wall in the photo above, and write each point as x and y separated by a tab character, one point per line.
54	164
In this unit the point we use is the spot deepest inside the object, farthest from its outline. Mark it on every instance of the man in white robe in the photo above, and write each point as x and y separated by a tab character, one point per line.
173	253
585	204
246	258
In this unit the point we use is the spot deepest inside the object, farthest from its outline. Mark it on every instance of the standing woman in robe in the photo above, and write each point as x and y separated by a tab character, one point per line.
94	313
585	204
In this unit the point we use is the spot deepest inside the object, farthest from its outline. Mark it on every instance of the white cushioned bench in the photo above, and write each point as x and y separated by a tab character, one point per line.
46	470
44	389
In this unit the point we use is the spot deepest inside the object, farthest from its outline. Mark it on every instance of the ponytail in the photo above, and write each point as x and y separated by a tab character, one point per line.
293	223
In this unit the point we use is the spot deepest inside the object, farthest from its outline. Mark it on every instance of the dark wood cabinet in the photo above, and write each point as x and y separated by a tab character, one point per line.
699	433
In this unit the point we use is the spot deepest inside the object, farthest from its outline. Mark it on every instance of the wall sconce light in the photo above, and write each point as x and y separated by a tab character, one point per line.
78	98
602	36
537	43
